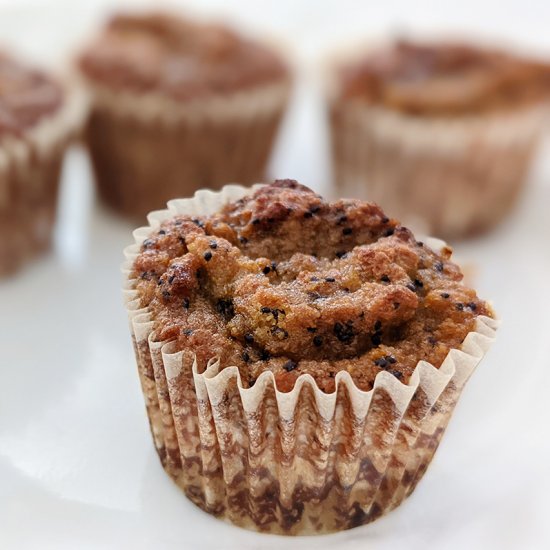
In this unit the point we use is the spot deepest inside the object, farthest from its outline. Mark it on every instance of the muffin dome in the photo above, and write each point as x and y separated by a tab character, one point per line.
182	59
282	280
27	96
445	79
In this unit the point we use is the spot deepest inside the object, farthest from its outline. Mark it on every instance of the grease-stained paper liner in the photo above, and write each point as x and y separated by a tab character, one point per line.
30	166
301	462
452	176
147	148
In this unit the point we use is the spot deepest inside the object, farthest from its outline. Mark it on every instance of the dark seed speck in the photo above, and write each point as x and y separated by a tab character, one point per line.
344	332
290	366
376	340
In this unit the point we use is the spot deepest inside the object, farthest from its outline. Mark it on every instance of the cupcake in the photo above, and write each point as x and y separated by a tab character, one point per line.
442	135
37	119
299	359
176	106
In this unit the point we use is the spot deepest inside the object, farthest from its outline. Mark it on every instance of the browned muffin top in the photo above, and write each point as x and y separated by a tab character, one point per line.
445	79
178	57
26	95
283	281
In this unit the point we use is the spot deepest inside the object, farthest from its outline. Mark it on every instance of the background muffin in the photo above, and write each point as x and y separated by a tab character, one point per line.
440	134
299	359
177	106
37	119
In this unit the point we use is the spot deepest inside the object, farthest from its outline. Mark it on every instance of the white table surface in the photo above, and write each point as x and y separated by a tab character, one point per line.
77	466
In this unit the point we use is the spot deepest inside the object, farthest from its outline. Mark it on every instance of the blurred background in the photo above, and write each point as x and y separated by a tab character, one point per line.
47	30
77	469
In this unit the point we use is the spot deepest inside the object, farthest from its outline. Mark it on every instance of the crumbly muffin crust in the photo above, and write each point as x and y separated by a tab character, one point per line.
183	59
26	96
445	79
283	281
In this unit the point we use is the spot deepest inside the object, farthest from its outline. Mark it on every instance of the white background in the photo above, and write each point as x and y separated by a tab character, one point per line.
77	468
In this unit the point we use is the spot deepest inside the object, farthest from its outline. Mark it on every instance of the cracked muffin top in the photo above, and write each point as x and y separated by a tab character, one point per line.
445	79
183	59
27	96
282	280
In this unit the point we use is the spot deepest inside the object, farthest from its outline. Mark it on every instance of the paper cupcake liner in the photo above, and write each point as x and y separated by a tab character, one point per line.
448	176
147	148
30	167
302	462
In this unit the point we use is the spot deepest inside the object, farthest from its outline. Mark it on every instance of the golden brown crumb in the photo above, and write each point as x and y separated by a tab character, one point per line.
283	281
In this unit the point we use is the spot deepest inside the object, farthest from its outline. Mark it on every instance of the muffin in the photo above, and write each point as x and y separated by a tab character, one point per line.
299	359
178	105
37	119
441	134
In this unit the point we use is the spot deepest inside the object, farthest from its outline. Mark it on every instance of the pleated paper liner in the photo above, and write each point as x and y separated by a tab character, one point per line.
453	176
30	167
302	462
147	148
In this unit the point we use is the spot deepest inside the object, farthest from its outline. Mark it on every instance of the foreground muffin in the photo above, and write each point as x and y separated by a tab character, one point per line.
284	347
178	106
37	119
441	134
